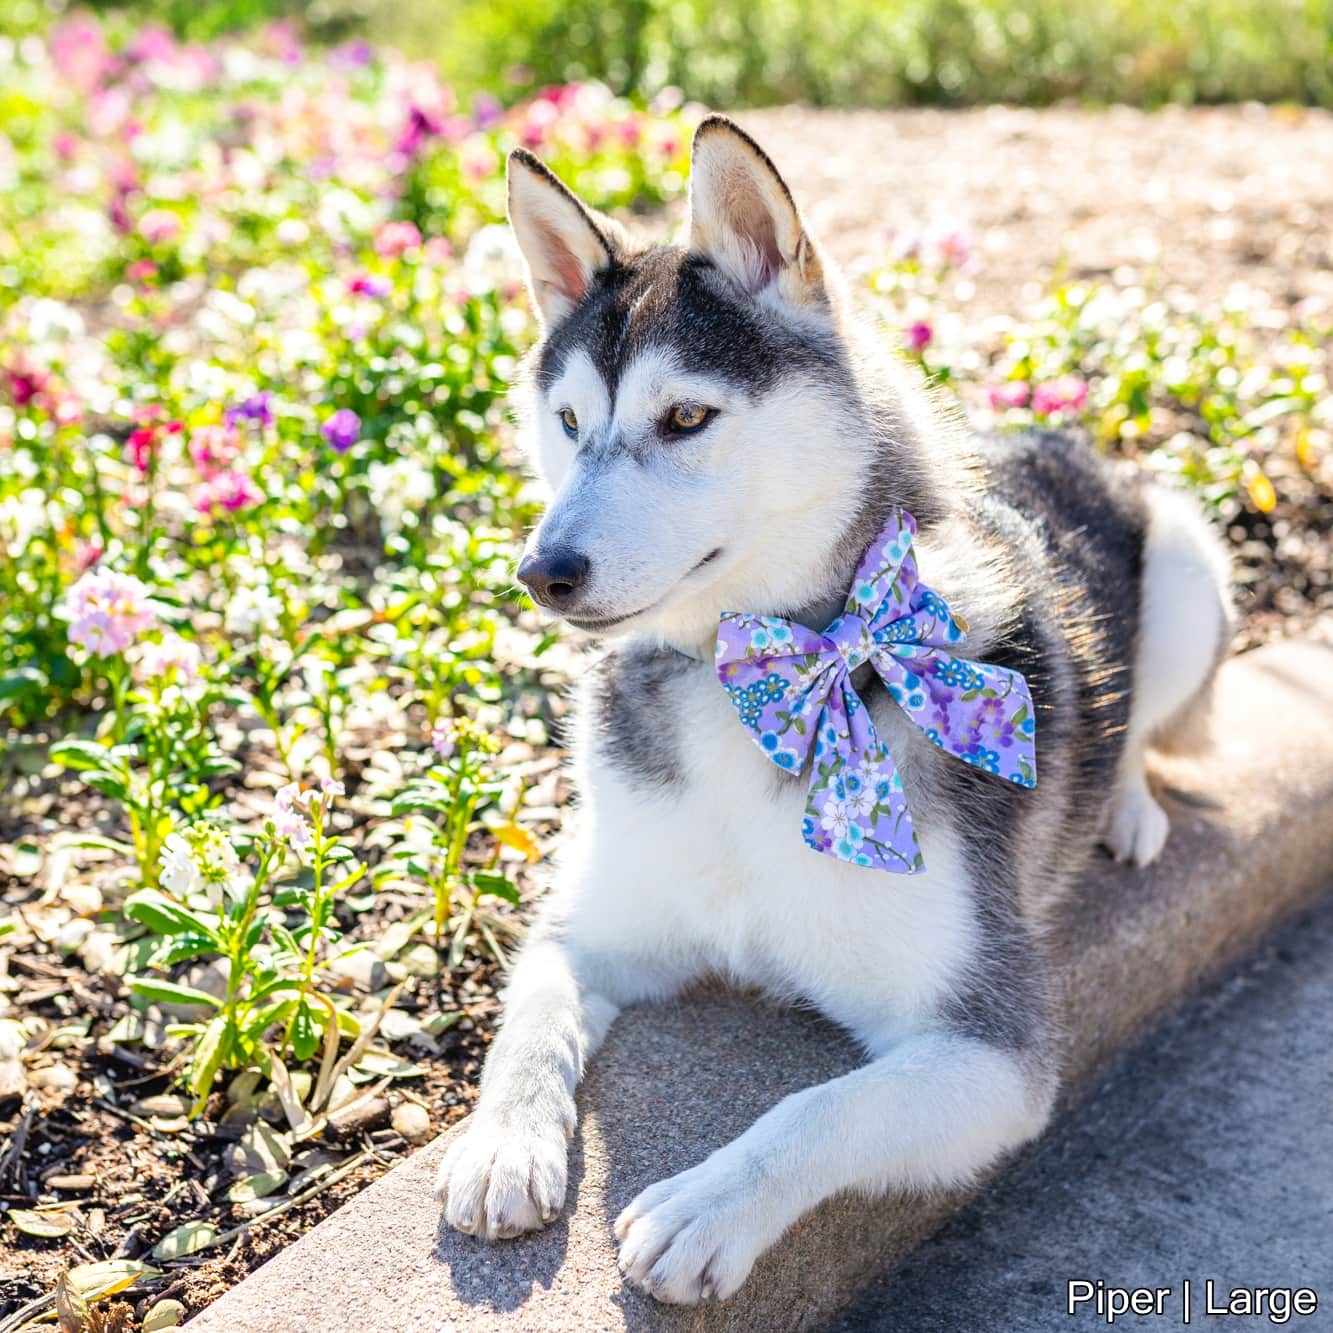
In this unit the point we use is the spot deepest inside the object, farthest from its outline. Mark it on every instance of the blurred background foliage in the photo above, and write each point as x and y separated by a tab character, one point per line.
870	53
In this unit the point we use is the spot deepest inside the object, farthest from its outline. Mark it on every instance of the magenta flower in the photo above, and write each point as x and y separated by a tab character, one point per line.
1012	393
369	284
1066	394
919	336
342	429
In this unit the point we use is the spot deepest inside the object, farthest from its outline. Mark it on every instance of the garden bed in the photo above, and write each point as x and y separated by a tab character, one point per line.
258	365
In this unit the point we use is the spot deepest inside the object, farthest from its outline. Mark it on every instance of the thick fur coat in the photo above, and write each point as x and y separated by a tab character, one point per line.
717	437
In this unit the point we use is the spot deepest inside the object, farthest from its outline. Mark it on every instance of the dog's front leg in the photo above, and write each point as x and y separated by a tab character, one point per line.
934	1110
505	1173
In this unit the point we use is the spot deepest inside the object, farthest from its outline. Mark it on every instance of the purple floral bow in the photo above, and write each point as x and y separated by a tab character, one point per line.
793	691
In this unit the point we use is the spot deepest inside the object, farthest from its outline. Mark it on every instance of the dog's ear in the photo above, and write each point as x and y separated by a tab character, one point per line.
743	218
563	243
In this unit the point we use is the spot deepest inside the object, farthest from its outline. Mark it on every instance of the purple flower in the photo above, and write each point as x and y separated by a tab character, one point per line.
486	112
342	429
257	408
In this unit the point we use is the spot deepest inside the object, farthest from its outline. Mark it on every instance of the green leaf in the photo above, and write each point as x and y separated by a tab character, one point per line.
171	992
495	884
189	1239
207	1059
79	755
421	799
305	1032
23	680
108	784
272	986
182	947
164	917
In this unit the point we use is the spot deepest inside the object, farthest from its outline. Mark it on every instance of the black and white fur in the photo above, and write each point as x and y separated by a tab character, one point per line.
1108	593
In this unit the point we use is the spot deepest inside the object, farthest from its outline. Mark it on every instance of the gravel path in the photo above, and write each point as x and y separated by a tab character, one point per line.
1203	198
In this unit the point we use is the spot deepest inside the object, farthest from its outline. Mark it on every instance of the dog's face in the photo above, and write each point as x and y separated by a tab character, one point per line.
691	408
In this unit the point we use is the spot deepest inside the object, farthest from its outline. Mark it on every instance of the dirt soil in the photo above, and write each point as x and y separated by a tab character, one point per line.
1199	199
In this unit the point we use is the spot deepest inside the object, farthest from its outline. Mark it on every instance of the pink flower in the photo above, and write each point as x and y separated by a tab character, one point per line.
332	787
949	244
228	491
289	814
159	225
172	658
80	52
152	43
213	448
1066	394
107	610
1012	393
437	251
919	336
395	238
442	738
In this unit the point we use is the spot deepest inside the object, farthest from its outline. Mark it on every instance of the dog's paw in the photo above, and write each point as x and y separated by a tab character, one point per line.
496	1181
692	1238
1136	827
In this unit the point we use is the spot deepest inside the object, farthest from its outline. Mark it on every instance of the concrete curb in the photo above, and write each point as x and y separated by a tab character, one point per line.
1251	842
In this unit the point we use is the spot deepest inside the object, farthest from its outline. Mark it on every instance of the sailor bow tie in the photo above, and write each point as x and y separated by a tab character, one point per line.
792	689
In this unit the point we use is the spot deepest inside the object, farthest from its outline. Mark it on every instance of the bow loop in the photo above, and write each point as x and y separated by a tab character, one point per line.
792	689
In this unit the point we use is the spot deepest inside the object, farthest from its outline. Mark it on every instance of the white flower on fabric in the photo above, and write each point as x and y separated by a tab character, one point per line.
837	816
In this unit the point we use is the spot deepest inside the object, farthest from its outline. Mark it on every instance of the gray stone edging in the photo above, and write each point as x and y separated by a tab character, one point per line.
1251	841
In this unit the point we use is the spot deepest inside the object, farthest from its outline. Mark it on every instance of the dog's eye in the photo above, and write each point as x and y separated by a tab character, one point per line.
687	417
570	422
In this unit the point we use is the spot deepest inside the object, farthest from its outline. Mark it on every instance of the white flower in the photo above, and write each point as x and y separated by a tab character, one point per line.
24	516
180	874
252	610
398	488
837	816
492	258
202	860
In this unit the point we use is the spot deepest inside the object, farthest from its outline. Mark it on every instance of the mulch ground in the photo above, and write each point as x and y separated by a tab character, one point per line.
1204	199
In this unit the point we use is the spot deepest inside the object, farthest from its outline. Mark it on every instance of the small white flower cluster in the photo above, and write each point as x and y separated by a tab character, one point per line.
202	860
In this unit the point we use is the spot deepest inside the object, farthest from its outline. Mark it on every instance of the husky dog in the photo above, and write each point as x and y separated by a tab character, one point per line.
717	438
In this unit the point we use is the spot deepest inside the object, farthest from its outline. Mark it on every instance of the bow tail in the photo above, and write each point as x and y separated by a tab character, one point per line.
978	712
855	807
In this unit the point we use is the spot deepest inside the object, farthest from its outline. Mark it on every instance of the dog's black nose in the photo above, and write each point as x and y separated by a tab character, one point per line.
555	577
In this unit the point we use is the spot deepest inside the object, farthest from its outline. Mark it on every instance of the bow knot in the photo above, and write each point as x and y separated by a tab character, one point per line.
791	688
851	636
